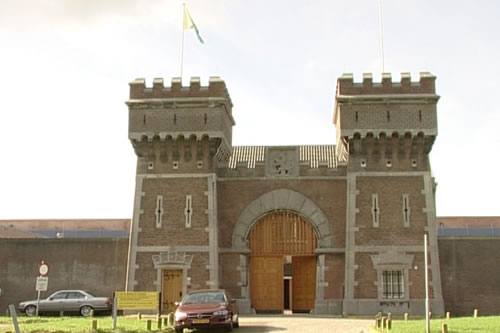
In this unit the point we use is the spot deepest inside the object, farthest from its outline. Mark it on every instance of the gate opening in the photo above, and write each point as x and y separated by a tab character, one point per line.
282	264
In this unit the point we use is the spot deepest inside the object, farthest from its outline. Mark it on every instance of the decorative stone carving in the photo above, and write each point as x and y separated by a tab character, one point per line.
282	161
172	258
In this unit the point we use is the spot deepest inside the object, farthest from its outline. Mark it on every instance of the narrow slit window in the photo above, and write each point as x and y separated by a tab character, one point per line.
406	210
159	210
188	211
375	210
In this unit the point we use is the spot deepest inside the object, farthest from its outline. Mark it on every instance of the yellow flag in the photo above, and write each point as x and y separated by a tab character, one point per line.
189	24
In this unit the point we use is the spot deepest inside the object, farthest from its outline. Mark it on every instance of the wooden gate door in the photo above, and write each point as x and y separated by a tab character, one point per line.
266	283
172	289
273	237
303	283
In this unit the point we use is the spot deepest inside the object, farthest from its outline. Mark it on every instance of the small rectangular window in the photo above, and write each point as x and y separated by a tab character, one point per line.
393	284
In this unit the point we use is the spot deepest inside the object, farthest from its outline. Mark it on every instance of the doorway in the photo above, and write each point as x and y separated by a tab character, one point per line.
171	290
277	241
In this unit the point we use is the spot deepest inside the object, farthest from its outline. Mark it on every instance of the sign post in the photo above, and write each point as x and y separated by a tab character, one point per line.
42	281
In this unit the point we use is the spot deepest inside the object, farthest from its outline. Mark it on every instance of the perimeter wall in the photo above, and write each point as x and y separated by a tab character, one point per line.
96	265
470	269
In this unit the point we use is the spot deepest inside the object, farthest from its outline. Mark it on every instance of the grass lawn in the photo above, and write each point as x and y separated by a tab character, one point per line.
47	324
489	324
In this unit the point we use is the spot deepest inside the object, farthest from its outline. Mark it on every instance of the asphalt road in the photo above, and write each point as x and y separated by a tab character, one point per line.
301	324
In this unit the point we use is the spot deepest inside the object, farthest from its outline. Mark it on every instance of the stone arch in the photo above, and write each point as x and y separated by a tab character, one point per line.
282	199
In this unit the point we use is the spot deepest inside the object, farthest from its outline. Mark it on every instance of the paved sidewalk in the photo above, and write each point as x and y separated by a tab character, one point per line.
302	324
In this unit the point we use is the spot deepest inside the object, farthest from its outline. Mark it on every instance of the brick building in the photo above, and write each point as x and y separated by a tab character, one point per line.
326	229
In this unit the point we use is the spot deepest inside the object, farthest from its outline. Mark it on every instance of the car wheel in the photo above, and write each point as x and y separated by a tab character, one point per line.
228	328
86	310
30	310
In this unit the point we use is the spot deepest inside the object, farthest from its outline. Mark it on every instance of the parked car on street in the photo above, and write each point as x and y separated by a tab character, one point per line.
77	301
210	308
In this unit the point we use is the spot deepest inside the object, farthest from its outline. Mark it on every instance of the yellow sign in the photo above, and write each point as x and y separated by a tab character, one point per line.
137	300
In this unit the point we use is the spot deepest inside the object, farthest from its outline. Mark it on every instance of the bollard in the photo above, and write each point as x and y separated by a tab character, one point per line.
7	312
12	311
406	316
384	323
389	324
94	325
61	313
476	313
448	315
378	319
171	319
165	321
148	325
139	315
159	323
430	315
91	313
444	329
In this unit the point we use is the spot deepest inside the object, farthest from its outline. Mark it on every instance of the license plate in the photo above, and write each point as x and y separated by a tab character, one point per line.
201	321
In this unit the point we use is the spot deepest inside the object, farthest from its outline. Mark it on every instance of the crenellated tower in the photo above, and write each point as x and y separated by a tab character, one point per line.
180	135
386	130
180	128
386	124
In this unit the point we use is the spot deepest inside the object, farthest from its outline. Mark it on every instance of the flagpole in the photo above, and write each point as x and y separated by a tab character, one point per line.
182	41
381	34
426	278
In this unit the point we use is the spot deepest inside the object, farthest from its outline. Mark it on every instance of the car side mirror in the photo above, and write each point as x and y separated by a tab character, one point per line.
49	298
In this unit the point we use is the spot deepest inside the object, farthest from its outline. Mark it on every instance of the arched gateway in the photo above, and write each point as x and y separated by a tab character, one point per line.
282	229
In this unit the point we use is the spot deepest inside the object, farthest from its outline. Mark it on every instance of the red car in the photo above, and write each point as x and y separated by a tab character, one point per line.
206	309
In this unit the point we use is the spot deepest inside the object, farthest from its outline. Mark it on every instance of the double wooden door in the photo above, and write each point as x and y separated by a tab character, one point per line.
274	237
267	283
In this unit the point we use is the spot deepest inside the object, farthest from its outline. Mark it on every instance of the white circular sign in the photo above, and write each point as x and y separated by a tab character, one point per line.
43	269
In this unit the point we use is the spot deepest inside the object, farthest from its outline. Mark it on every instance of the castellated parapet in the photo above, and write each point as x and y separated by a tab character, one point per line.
179	124
347	86
216	88
387	121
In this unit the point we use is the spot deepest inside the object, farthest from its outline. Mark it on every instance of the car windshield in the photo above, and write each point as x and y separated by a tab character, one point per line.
208	297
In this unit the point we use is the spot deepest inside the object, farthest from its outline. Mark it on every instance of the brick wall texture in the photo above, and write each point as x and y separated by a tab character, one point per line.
470	274
97	265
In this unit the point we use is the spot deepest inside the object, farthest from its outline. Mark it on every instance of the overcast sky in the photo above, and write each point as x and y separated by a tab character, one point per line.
65	66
